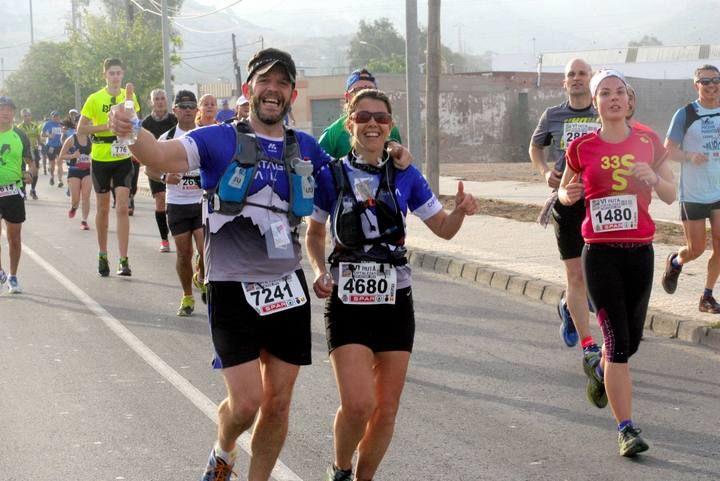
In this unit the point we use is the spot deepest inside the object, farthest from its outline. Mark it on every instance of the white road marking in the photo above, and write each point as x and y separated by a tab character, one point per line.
281	472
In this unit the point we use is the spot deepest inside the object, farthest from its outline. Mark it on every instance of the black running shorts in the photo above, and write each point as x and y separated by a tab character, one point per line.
380	327
697	211
567	221
156	187
239	333
116	173
12	209
184	218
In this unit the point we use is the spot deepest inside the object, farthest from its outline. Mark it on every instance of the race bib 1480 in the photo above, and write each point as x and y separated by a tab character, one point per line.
619	212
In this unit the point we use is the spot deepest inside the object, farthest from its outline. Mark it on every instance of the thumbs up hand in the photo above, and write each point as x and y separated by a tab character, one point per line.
465	203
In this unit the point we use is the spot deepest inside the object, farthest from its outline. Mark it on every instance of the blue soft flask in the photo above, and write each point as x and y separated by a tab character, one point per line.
303	188
235	183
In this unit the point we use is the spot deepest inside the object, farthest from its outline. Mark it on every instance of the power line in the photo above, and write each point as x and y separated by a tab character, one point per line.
183	17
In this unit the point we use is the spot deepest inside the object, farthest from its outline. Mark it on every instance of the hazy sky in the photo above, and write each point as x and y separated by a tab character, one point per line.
472	26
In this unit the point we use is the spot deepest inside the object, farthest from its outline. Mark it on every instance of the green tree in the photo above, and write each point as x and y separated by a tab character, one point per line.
376	41
137	44
379	47
39	84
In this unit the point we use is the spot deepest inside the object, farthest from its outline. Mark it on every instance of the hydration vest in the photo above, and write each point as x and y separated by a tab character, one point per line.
347	225
691	115
241	170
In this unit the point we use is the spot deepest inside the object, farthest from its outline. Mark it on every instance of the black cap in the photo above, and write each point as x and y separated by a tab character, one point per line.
185	97
266	59
5	100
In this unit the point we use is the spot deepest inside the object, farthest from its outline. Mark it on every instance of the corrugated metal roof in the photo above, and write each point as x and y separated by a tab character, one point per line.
668	54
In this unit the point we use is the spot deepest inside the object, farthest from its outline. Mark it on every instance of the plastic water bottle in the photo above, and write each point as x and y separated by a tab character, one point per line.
303	187
234	183
136	124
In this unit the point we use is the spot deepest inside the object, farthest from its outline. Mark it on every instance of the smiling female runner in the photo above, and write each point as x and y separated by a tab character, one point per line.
369	314
617	168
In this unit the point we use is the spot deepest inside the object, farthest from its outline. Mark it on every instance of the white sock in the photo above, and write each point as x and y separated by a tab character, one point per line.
228	457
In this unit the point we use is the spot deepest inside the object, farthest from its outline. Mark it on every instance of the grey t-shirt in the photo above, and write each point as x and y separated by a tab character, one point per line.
560	125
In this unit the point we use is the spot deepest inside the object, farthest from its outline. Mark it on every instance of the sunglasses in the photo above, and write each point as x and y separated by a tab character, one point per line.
363	117
708	81
186	106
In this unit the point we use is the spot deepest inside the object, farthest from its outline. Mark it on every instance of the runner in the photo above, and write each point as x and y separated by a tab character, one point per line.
74	116
616	170
335	140
206	111
242	108
184	208
225	113
369	316
260	341
158	122
33	132
111	165
14	156
77	152
694	140
558	126
52	133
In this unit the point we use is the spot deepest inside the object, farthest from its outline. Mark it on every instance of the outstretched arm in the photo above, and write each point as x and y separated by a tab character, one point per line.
446	225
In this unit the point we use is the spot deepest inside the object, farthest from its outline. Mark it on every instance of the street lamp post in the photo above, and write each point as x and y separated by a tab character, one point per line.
368	44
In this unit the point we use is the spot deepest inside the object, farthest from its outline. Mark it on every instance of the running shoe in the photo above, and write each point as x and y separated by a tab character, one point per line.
567	328
595	389
217	469
187	306
13	285
630	442
164	246
103	266
52	181
671	274
60	184
3	278
71	212
33	194
84	225
591	358
708	304
124	267
202	287
336	474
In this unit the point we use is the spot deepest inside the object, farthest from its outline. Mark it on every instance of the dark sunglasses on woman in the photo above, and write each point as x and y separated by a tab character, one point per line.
363	117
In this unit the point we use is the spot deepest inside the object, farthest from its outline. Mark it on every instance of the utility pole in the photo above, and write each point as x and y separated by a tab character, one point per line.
32	29
432	98
166	50
412	83
76	31
236	69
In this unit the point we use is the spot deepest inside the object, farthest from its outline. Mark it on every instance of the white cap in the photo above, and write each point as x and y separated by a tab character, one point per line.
242	101
602	75
73	111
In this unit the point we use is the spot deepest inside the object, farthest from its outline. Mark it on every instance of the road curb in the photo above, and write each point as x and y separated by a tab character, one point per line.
660	323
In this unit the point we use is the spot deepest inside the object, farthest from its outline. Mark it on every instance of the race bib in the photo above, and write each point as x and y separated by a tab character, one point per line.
275	296
367	283
613	213
574	130
190	183
56	131
119	150
8	190
83	163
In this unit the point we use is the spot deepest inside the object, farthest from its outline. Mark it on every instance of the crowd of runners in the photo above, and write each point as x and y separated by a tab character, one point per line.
232	186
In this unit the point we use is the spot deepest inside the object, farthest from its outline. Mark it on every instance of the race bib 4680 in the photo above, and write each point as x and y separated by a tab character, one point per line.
367	283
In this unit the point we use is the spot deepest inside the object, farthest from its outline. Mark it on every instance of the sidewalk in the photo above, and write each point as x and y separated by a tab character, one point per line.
522	257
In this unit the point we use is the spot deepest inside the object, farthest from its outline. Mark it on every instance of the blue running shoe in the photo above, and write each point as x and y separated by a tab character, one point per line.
217	469
567	328
3	278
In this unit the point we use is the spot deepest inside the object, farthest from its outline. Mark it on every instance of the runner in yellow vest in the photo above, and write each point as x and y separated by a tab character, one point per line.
112	167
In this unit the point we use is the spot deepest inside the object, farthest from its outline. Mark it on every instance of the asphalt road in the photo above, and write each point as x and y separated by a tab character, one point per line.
101	381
